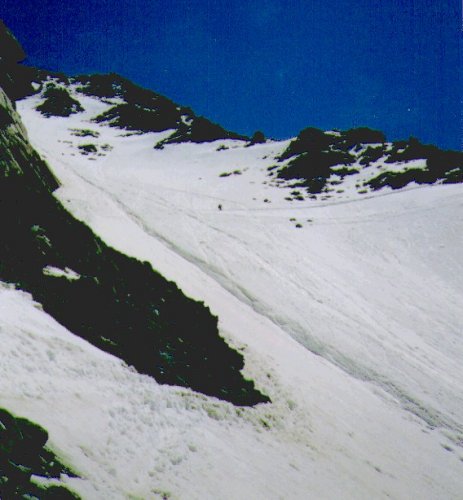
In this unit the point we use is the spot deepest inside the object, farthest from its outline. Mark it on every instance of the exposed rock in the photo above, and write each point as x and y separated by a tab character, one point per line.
257	138
118	303
138	118
23	453
314	156
11	51
200	130
14	78
147	111
58	102
17	158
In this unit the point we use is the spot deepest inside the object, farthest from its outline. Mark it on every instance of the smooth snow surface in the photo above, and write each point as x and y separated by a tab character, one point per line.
351	323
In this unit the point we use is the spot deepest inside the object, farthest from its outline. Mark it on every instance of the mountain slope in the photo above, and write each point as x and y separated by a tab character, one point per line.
343	301
119	304
251	248
348	307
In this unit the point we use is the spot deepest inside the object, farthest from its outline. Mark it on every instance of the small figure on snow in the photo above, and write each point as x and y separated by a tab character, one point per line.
220	206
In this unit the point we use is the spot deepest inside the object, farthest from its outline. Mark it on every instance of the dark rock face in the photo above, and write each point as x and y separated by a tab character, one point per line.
141	119
362	135
146	111
117	303
143	110
14	79
58	102
105	86
372	154
308	139
22	454
311	140
200	130
314	168
443	166
257	138
17	158
11	51
315	155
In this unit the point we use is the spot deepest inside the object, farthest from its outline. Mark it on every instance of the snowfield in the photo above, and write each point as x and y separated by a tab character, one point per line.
348	312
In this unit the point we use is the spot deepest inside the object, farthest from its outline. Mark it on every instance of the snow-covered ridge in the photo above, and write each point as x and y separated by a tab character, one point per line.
116	302
365	281
346	307
315	165
130	107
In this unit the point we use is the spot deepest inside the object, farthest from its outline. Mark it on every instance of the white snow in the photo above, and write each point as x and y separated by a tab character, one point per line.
350	323
61	273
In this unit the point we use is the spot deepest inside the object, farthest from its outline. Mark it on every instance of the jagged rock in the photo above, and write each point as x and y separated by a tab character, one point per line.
147	111
23	453
372	154
58	102
257	138
118	303
441	166
313	168
313	154
143	110
200	130
359	136
308	139
138	118
316	155
11	51
14	78
17	158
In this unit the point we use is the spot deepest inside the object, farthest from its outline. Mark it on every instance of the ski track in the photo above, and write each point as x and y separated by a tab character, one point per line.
431	417
346	421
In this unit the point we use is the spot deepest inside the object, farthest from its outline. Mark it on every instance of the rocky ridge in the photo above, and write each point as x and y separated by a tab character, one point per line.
118	303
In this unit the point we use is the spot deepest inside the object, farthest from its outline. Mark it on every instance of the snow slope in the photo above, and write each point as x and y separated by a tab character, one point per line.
351	323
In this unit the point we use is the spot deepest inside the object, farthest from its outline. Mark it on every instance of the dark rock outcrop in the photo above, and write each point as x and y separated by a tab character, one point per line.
441	166
117	303
312	155
200	130
141	119
146	111
23	453
58	102
142	111
258	137
316	155
15	79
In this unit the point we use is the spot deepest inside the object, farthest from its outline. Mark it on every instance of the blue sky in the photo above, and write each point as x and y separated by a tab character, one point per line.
273	65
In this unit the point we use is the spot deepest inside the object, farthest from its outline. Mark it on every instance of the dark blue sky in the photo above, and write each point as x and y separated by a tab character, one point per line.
274	65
